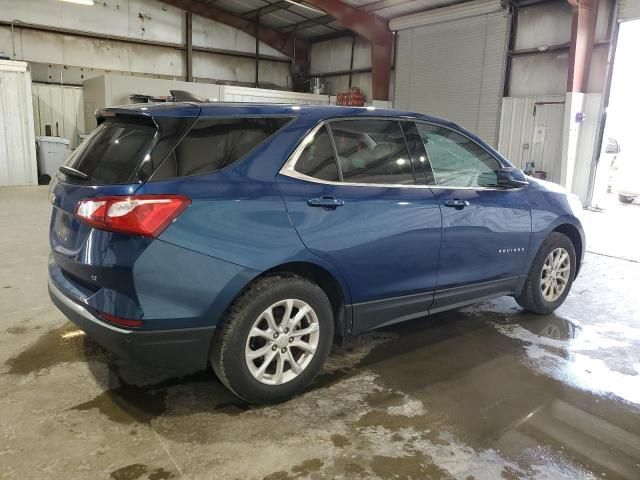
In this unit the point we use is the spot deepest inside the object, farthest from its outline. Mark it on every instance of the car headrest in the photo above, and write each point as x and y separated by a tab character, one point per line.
382	150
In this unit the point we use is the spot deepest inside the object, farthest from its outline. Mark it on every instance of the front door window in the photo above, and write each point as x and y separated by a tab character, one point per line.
456	160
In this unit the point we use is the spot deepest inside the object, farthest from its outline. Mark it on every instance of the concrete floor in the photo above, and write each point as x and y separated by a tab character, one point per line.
484	393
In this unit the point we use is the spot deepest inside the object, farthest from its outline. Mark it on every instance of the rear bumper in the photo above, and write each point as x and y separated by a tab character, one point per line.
175	349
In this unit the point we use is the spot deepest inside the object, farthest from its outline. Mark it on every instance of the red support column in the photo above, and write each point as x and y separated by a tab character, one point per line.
583	26
381	69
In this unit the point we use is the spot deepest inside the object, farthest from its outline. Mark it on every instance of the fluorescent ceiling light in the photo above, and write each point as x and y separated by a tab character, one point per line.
80	2
292	2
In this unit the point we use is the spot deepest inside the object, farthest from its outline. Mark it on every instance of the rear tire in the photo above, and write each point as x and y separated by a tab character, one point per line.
256	331
550	277
625	198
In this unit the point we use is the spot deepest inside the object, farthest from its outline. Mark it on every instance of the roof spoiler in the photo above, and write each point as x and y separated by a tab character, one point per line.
184	96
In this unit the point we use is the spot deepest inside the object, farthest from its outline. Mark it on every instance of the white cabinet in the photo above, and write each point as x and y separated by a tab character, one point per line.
17	142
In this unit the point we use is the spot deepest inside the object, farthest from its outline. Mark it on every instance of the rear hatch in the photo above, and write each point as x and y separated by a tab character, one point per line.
125	149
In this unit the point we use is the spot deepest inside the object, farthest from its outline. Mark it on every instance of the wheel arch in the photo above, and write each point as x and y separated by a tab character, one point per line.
327	282
572	232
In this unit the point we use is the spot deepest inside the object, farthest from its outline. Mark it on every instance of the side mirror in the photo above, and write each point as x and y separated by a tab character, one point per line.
511	177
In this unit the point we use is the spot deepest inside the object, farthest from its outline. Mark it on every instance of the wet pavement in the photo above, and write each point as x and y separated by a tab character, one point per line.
486	392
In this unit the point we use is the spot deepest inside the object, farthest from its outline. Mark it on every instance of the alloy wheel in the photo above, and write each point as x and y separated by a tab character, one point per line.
555	274
282	342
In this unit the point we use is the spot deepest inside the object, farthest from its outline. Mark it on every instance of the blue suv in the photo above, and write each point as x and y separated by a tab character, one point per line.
249	237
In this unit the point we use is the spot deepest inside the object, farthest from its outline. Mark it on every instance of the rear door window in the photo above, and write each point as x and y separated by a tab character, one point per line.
215	143
113	151
372	151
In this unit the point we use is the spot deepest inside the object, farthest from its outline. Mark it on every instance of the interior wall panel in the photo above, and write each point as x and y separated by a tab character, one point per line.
531	131
129	19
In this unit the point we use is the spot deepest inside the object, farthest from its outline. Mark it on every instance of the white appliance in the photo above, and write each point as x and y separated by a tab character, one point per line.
52	152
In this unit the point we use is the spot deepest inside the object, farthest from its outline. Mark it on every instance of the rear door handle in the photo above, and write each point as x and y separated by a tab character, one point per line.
325	202
456	203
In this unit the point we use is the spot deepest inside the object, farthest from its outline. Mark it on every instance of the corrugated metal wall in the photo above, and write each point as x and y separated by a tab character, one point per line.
61	108
331	56
17	142
136	19
629	10
531	130
543	71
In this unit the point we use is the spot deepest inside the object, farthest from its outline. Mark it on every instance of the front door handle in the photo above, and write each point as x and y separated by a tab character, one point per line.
456	203
325	202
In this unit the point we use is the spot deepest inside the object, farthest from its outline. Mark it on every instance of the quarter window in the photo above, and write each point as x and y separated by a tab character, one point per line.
215	143
372	151
456	160
317	159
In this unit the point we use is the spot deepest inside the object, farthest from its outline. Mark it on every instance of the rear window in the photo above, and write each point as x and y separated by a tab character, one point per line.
113	151
213	144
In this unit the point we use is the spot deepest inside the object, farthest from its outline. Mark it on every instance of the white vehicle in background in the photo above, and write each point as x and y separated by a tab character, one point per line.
627	178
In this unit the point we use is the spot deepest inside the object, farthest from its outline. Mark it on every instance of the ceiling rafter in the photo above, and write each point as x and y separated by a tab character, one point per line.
321	21
284	42
286	5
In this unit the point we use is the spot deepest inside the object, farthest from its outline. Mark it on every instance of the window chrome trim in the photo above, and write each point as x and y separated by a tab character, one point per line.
288	169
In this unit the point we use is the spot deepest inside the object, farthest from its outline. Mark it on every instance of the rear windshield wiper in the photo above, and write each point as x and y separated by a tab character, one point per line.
72	172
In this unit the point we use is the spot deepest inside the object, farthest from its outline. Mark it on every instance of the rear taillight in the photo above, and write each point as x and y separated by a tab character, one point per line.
145	215
122	322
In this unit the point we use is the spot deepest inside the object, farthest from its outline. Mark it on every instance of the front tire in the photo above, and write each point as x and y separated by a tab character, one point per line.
274	339
550	277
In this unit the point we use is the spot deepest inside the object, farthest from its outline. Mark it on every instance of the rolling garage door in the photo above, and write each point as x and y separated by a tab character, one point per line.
450	62
628	10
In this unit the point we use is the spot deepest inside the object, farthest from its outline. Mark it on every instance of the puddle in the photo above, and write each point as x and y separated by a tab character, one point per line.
280	475
17	330
130	472
137	470
476	392
583	357
308	466
408	468
128	404
340	441
61	345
